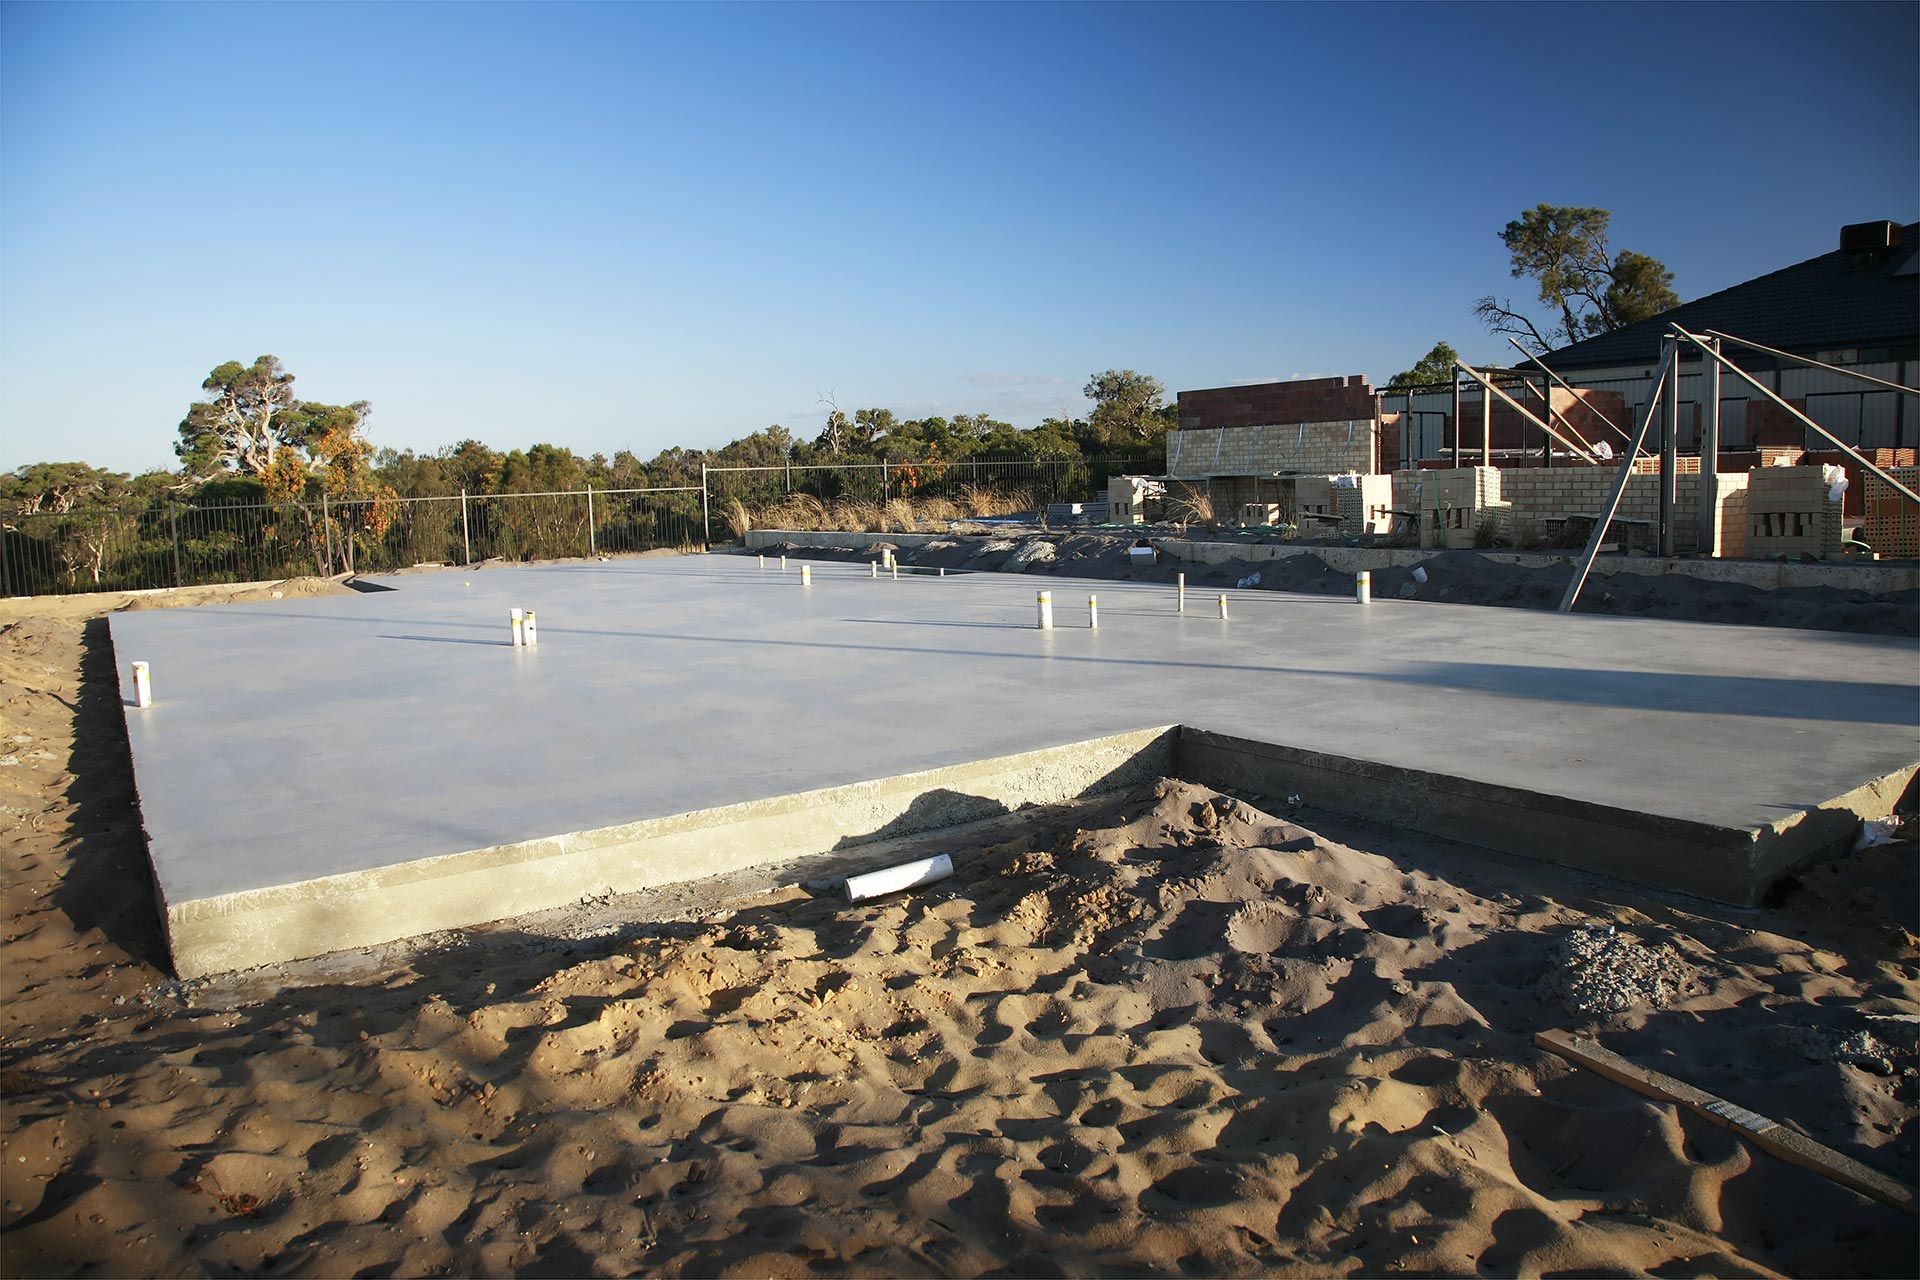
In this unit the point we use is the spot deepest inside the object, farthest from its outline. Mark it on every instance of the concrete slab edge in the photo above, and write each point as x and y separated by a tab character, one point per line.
359	909
1727	864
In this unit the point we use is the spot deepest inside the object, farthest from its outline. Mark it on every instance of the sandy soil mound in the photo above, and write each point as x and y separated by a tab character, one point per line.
1453	577
1159	1032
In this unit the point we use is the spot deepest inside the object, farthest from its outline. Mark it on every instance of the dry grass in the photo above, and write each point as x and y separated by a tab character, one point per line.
1195	506
980	501
899	517
855	515
738	518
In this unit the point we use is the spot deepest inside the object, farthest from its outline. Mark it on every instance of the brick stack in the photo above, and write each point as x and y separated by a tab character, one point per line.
1892	522
1789	514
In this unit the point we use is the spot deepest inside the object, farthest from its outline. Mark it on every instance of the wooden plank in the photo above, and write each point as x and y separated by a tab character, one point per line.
1788	1144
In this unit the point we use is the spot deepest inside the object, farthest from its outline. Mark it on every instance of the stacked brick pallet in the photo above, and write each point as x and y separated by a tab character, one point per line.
1790	514
1892	523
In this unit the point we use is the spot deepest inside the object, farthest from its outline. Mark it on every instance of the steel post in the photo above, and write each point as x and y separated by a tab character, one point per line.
173	514
1669	449
1486	424
593	543
706	512
326	530
466	532
1456	419
1710	459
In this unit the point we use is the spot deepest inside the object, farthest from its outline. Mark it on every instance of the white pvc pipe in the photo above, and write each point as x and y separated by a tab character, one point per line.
518	619
763	562
1223	605
533	636
1181	579
1045	601
806	575
874	567
142	686
908	875
783	564
1363	587
1093	613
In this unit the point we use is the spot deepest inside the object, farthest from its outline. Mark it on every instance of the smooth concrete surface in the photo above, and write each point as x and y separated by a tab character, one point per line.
305	740
1768	575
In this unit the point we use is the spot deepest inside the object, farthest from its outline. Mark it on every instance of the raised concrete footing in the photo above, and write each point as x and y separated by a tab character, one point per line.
1728	863
366	908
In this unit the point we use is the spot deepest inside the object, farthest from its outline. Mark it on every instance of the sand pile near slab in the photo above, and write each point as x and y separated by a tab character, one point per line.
1164	1032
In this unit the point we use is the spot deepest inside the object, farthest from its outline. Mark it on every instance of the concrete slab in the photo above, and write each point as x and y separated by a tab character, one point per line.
302	759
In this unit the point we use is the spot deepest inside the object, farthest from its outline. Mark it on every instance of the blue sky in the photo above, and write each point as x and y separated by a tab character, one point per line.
616	226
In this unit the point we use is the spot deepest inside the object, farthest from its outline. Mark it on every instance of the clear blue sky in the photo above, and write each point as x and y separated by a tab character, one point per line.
618	226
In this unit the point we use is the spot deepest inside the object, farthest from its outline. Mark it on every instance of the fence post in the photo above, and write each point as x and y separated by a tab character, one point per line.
173	514
6	570
326	529
886	493
466	534
706	513
593	543
788	460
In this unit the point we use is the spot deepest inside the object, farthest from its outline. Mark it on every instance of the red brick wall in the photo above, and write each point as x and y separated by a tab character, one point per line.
1347	399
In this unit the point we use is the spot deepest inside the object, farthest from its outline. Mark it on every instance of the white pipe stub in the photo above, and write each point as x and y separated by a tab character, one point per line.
142	686
908	875
1363	587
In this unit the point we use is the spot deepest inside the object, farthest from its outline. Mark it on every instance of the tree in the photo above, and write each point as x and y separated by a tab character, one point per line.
248	417
1128	407
1434	367
1564	251
252	425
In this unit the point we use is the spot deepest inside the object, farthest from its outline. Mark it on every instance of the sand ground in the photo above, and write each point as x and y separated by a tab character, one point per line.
1161	1032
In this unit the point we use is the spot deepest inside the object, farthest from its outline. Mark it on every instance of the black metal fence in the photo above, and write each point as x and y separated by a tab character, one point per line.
173	544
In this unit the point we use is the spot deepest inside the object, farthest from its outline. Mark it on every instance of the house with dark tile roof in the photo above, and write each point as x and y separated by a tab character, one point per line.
1856	306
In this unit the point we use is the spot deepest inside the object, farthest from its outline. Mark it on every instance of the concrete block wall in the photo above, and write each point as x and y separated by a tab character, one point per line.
1544	495
1454	504
1363	507
1307	448
1524	500
1892	523
1731	491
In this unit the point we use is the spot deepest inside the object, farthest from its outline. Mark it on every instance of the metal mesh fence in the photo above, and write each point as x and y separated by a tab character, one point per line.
170	545
972	486
174	544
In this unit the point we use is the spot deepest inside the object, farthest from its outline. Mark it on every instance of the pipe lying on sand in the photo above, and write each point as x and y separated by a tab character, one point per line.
908	875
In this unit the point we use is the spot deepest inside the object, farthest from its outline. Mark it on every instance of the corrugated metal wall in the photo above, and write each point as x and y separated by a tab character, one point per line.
1858	414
